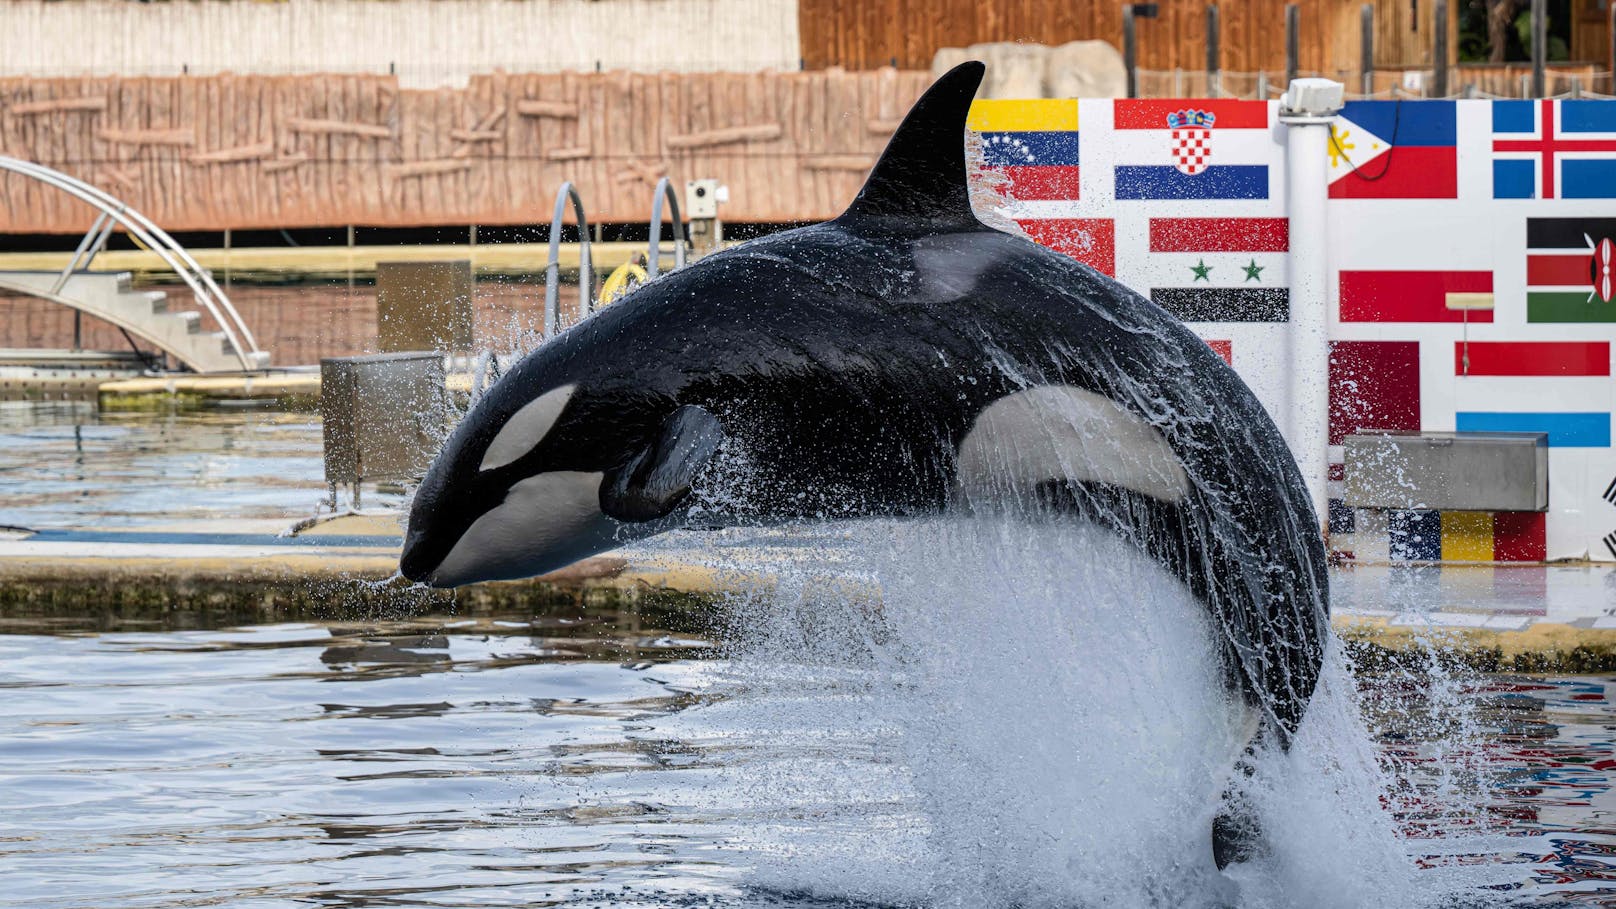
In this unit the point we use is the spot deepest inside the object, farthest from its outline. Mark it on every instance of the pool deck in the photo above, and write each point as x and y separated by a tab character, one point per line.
1515	617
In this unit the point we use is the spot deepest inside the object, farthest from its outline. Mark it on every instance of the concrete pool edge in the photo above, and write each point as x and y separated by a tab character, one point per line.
242	586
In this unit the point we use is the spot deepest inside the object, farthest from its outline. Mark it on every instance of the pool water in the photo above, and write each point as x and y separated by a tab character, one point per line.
581	758
788	753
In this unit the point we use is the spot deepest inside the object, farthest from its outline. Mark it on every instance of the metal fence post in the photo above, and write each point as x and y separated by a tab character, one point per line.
1439	50
1293	40
1366	48
1130	50
1540	48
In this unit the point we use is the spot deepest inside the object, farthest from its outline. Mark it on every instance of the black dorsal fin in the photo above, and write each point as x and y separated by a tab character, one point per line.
921	174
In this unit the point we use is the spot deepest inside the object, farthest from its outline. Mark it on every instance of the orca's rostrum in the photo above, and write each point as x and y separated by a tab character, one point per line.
903	359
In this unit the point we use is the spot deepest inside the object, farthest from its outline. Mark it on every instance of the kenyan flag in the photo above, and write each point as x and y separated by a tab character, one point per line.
1571	270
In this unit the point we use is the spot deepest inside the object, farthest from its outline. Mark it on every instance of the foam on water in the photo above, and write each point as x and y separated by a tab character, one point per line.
997	712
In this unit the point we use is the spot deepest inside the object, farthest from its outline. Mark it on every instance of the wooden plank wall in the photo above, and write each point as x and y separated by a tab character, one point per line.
860	34
207	153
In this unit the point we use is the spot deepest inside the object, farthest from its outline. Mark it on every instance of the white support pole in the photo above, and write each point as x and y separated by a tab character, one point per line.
1307	110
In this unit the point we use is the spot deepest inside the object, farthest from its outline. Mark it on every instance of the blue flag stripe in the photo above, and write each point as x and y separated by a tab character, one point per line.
1514	178
1016	149
1220	181
1417	123
1566	430
1588	178
1514	116
1587	117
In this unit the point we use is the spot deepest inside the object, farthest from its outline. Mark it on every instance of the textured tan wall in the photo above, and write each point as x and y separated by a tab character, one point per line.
430	42
206	153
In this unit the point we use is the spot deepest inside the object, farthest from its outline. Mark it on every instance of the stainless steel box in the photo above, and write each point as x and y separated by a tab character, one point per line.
1452	471
384	416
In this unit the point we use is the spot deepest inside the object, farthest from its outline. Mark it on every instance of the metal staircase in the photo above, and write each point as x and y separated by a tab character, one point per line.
142	313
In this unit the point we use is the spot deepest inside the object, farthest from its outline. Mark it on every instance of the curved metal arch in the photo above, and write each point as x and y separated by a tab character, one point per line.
174	256
552	270
653	257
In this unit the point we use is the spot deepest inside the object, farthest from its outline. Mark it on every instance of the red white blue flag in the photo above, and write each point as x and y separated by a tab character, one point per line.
1554	150
1203	149
1395	150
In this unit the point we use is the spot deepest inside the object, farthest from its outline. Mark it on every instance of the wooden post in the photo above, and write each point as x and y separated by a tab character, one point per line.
1439	50
1366	48
1540	48
1213	57
1293	40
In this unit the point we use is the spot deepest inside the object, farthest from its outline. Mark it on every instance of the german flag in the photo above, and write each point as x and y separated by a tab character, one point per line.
1571	269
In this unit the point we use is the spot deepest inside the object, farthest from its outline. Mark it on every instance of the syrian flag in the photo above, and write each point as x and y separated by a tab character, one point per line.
1218	269
1571	269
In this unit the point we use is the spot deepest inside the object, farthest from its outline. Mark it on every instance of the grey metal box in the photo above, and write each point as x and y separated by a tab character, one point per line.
424	305
384	416
1456	471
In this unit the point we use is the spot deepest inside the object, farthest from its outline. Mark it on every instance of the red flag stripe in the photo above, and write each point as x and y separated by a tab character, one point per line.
1092	241
1042	183
1220	235
1152	113
1404	172
1558	271
1533	358
1410	296
1519	536
1224	349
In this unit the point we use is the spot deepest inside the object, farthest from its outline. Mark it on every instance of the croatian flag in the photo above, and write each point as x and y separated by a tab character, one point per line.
1033	144
1554	150
1395	150
1192	149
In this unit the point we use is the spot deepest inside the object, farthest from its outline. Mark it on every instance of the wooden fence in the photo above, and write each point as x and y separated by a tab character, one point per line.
214	152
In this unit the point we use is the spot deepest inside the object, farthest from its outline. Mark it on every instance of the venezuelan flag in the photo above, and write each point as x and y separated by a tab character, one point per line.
1034	143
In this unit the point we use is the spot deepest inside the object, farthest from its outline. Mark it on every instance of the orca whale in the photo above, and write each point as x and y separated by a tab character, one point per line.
902	359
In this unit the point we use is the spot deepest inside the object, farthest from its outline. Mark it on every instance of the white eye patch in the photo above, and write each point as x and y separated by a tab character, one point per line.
527	427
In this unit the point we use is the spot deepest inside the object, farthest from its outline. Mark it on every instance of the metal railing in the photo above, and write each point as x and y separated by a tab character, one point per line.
653	258
142	229
552	269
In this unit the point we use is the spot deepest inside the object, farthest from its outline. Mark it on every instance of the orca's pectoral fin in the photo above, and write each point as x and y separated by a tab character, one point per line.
653	483
1236	835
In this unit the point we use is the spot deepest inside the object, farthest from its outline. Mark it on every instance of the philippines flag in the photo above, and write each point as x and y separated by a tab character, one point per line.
1395	150
1554	150
1195	149
1033	144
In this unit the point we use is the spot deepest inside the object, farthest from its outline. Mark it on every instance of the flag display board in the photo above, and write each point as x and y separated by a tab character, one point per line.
1471	283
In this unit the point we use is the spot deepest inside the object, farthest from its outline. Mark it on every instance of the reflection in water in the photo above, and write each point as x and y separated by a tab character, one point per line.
500	761
68	465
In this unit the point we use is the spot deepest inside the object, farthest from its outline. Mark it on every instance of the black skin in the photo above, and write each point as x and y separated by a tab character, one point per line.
844	363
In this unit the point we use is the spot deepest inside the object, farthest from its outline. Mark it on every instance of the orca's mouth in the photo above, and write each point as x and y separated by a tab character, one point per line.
417	563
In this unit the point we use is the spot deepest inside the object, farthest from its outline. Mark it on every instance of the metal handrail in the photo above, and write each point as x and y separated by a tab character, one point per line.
174	256
653	258
552	270
206	277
